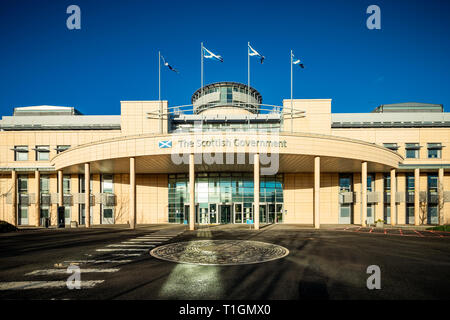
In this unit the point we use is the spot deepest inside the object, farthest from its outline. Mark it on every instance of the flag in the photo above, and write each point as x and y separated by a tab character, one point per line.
209	55
168	65
253	52
297	61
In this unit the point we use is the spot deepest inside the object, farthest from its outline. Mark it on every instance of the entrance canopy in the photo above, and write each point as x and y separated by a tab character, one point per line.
227	151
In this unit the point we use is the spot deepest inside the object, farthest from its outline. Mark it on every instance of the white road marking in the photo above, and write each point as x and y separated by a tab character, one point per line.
130	245
64	271
98	261
26	285
144	240
127	254
141	242
120	249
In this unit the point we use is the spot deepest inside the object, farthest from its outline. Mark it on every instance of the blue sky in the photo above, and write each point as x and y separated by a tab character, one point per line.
114	55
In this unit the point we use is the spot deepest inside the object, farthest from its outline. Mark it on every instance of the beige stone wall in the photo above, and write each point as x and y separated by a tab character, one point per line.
5	188
151	198
402	136
317	115
135	115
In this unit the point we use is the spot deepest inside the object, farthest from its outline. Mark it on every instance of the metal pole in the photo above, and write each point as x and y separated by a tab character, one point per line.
201	53
159	75
248	72
292	107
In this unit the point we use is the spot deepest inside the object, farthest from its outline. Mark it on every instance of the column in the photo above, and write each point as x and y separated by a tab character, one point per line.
364	193
14	197
132	206
191	192
317	192
87	193
37	206
393	202
256	190
416	196
440	195
60	188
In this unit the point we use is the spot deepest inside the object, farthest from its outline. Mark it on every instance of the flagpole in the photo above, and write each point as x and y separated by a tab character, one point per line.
159	75
248	72
292	107
201	54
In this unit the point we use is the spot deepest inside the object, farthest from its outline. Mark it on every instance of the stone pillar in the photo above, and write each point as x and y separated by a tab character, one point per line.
441	206
60	188
87	193
364	193
417	196
393	202
132	206
37	187
191	192
14	197
317	192
256	190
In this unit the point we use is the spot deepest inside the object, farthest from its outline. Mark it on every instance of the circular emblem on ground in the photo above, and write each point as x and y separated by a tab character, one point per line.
219	252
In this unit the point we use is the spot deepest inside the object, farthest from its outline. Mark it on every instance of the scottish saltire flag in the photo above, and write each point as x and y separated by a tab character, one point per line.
168	65
209	55
252	52
165	144
297	61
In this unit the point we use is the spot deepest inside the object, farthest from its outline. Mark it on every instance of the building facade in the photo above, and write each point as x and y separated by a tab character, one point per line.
294	163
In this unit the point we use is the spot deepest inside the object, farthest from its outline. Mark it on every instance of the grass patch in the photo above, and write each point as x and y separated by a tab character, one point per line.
6	227
441	228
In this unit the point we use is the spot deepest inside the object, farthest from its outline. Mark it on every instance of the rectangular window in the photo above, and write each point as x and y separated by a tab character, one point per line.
66	184
410	183
45	184
412	150
107	183
387	183
22	183
370	182
434	150
60	149
345	183
432	183
42	153
20	153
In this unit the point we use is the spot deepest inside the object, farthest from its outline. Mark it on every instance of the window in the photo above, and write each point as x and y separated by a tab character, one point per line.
20	153
22	185
387	183
392	146
410	183
45	184
412	150
66	184
42	153
432	183
107	183
434	150
345	183
60	149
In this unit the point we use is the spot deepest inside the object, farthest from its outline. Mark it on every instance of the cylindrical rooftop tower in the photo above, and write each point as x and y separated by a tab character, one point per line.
226	97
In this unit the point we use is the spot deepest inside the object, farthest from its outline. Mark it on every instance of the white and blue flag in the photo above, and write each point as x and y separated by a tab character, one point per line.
252	52
297	61
209	55
165	144
168	65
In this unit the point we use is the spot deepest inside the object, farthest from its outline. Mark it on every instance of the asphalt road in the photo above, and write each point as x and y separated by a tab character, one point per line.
324	264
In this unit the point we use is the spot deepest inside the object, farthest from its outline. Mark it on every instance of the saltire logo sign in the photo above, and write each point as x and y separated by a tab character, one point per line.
165	144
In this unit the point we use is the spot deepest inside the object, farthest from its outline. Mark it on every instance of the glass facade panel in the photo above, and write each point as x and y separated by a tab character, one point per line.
222	189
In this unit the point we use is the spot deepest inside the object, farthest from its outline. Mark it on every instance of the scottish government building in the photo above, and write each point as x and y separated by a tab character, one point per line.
226	158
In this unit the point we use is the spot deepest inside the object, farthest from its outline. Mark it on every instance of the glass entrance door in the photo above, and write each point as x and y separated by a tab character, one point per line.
213	213
238	210
370	218
203	215
263	216
279	213
225	213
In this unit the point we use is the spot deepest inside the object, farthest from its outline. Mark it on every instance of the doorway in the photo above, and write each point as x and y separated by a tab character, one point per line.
238	211
225	213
